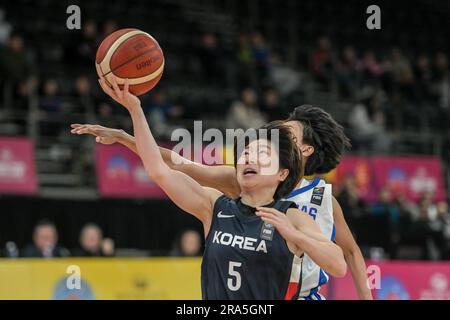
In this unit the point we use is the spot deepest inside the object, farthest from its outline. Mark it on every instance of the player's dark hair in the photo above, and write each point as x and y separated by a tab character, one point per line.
289	157
323	133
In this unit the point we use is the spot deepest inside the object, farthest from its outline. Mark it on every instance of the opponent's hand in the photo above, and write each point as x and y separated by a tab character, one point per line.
279	220
123	97
102	134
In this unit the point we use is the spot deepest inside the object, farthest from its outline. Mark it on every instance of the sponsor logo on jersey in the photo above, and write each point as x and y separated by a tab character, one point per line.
244	243
267	231
317	195
221	215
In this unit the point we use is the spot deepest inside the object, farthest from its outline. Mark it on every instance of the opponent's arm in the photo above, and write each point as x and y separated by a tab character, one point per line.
176	185
221	177
352	253
301	231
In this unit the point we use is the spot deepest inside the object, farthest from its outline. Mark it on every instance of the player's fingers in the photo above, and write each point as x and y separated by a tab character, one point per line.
116	88
269	210
107	89
126	86
265	215
75	125
270	221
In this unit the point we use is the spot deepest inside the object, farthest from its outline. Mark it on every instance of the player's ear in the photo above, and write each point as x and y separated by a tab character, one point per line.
283	174
306	150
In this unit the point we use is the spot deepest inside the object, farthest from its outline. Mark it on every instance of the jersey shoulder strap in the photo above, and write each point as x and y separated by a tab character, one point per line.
284	205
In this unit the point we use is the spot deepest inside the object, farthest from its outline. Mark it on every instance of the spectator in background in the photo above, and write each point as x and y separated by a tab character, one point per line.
244	113
402	73
372	69
387	208
367	121
83	47
109	27
443	225
260	53
284	78
323	62
161	111
244	57
272	106
93	244
424	76
45	242
189	244
51	108
23	94
212	59
5	28
441	84
14	64
24	91
350	200
423	232
84	100
347	72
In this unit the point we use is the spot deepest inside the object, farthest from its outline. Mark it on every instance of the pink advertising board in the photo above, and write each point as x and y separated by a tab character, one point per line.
17	168
411	176
120	173
402	280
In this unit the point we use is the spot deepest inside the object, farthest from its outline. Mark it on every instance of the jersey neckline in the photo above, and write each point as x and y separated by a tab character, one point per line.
298	191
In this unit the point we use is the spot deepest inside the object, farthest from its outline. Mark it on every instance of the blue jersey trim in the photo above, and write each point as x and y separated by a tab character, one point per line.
333	233
296	192
323	278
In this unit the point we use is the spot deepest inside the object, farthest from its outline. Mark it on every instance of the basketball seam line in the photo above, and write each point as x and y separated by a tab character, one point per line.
112	43
128	61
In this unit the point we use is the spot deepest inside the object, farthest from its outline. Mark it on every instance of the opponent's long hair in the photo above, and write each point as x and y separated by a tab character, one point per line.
323	133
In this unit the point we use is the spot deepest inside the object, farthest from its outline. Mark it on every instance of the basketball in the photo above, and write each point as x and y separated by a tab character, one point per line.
133	54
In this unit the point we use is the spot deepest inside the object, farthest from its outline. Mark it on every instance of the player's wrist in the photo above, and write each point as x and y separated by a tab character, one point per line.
134	108
119	134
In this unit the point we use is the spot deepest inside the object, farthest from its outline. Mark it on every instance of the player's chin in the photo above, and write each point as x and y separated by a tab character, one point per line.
248	181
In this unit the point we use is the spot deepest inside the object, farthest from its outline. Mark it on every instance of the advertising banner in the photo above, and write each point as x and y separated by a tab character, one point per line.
17	168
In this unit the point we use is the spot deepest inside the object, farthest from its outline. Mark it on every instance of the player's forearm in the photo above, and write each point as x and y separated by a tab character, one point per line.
171	158
146	145
127	140
355	262
324	253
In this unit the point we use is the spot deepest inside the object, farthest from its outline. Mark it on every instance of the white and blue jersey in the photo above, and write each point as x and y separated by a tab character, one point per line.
314	197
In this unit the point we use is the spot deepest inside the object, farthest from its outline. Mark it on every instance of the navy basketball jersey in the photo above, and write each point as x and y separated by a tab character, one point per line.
244	257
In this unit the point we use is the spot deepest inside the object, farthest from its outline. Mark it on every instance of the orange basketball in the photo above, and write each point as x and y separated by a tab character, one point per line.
133	54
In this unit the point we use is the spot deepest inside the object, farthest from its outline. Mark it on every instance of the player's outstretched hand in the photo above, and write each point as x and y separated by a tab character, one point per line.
279	220
102	134
121	96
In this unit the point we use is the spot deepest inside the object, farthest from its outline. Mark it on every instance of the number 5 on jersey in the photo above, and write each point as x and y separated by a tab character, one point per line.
234	282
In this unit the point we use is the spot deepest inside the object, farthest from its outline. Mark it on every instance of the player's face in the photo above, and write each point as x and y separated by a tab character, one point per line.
258	165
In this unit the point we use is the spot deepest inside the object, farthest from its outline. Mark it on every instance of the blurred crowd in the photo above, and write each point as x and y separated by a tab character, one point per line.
391	90
92	243
399	228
